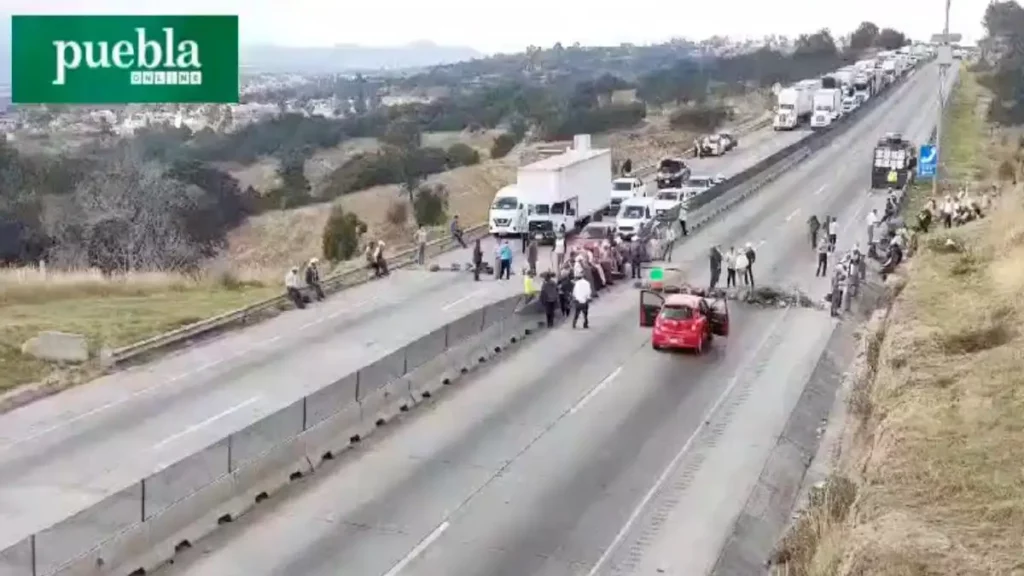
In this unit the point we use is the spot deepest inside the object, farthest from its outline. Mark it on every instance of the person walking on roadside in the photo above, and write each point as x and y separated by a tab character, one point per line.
549	298
751	258
730	267
504	260
421	245
871	221
456	231
531	256
822	269
313	278
813	226
833	233
294	288
836	298
581	295
715	261
478	260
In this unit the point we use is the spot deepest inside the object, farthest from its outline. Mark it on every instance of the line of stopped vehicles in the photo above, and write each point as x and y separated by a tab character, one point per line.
569	191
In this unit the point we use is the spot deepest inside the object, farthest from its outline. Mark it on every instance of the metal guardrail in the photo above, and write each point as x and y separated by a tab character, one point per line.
333	283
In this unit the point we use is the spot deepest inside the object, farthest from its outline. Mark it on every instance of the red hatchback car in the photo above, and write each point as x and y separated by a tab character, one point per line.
683	321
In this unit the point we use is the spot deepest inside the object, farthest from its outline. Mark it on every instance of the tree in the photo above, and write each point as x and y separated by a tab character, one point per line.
890	39
817	44
502	145
864	36
403	133
1004	25
430	205
294	189
340	238
460	154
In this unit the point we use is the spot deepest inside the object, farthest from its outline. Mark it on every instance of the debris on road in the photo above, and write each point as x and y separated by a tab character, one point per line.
773	297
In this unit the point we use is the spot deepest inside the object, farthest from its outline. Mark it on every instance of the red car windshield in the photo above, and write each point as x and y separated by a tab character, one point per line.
677	313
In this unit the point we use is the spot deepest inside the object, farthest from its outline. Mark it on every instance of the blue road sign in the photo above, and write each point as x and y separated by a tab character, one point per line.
927	161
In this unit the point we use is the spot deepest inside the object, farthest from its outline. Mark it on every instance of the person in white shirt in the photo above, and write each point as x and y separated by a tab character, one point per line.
730	267
872	221
559	250
833	232
947	211
421	246
293	286
581	294
741	266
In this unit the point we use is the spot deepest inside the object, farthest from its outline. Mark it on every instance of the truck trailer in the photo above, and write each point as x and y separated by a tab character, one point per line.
828	104
893	153
566	190
795	106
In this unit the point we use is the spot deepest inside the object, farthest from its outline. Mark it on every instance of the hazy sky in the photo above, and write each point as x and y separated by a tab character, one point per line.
511	26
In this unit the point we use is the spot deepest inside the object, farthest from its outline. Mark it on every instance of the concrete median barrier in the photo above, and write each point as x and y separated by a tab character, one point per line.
17	559
182	479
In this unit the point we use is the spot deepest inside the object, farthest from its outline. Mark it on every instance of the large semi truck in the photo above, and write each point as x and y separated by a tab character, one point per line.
796	104
893	153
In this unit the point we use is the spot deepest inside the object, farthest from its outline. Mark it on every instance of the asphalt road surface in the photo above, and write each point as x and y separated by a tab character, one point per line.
586	452
61	454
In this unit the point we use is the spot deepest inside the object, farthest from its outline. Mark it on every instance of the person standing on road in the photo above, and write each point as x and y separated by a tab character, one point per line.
565	285
947	212
836	298
581	295
741	266
478	260
730	268
833	232
871	221
456	231
313	278
813	226
636	251
421	245
751	258
715	261
549	298
531	256
294	288
504	260
822	270
559	249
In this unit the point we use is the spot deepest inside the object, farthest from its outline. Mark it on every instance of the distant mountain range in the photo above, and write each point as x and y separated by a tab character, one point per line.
352	58
334	59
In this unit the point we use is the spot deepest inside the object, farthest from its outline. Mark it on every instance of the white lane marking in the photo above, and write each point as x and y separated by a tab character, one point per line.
419	549
792	214
595	391
454	303
205	423
819	190
705	421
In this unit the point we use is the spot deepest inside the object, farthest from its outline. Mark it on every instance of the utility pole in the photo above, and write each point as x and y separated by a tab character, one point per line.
945	58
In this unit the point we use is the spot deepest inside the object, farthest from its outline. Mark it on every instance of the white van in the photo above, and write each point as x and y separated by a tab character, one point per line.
634	213
508	214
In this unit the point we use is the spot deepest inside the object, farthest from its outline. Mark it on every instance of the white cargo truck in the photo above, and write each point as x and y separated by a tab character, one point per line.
508	214
624	189
566	190
795	106
828	106
863	87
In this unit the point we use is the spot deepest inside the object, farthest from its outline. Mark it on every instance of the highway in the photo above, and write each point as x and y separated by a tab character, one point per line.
63	453
586	452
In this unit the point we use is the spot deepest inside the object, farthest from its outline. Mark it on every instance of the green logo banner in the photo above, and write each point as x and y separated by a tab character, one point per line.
124	59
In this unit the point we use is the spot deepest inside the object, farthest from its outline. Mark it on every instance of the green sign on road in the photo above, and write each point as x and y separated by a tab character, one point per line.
657	275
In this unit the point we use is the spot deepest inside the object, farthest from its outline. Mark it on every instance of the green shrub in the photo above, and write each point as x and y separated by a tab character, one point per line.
502	145
460	154
341	234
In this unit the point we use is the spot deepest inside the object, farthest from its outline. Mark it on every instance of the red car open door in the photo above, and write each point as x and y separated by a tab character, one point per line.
650	306
719	317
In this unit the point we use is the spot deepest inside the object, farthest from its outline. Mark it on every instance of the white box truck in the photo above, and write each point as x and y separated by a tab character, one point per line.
828	106
566	190
795	106
507	216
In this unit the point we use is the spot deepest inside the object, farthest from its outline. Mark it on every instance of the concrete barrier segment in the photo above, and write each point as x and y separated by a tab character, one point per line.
16	560
425	349
465	327
331	400
380	373
252	442
74	537
180	480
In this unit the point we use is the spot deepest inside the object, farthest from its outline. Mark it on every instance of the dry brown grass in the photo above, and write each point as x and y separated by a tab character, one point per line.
938	456
109	311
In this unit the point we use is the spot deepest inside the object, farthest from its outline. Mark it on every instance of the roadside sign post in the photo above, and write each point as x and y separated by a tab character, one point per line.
927	162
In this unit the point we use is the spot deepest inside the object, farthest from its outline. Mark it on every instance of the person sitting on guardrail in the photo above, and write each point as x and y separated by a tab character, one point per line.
421	245
313	278
456	231
378	257
581	296
370	253
294	287
549	298
813	225
730	267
